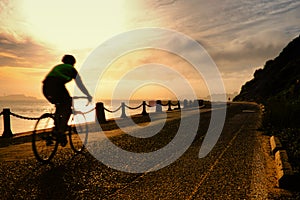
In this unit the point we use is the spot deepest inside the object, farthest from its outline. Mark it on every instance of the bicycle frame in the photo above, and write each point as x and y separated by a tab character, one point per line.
48	141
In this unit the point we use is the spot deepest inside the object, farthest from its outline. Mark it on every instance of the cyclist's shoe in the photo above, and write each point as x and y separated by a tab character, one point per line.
49	141
63	140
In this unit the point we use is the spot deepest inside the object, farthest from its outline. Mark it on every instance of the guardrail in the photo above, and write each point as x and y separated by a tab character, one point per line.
100	112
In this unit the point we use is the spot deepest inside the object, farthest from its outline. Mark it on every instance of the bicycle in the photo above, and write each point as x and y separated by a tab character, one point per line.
46	137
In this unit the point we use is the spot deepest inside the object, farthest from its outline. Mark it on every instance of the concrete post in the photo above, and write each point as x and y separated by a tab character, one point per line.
169	105
158	106
100	113
123	115
200	101
178	105
185	103
144	113
7	133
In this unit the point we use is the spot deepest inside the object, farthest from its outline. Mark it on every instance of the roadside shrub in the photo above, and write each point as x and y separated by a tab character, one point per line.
280	114
282	119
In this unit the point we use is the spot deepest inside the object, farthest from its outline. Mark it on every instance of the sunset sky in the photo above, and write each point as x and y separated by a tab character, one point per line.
238	35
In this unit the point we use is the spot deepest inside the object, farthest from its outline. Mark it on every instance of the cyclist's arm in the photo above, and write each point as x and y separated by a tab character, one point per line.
81	86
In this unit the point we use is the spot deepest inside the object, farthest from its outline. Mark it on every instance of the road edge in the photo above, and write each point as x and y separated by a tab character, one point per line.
284	171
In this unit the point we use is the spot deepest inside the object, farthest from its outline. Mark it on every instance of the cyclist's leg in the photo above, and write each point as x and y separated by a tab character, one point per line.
56	93
49	91
63	110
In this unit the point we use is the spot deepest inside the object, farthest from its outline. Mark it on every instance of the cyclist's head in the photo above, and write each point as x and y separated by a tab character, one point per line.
68	59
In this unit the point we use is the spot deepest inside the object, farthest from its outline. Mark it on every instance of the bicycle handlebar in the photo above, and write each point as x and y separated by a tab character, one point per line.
79	97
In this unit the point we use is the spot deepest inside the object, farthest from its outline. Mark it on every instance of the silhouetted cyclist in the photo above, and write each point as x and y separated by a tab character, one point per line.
56	93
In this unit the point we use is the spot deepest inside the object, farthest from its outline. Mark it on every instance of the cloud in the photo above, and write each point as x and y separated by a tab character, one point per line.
23	52
4	5
238	34
165	2
251	51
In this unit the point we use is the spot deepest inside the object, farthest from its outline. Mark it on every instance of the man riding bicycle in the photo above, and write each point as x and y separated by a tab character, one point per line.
56	93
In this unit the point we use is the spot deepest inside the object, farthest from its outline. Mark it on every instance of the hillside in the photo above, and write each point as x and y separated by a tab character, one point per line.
17	97
278	78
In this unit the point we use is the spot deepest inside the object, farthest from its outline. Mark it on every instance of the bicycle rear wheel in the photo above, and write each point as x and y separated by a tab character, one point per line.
78	132
44	139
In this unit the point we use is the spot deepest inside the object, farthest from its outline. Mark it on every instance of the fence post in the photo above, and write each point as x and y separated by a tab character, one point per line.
144	109
100	114
191	103
185	103
158	106
6	122
200	101
169	106
178	105
123	115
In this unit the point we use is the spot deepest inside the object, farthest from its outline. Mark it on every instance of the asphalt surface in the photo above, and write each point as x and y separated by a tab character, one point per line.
238	167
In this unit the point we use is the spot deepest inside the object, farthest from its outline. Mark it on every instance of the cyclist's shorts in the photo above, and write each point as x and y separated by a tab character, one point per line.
55	91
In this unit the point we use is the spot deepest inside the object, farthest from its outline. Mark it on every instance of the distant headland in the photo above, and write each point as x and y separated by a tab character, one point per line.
18	97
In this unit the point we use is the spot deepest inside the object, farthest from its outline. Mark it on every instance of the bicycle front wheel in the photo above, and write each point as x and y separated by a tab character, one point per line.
78	133
44	139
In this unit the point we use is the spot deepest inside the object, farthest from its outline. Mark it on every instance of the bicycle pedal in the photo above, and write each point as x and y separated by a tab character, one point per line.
64	143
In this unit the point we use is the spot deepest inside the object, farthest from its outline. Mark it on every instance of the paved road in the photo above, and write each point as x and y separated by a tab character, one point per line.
238	167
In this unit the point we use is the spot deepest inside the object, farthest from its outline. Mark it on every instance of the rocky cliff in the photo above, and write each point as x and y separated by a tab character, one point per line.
278	78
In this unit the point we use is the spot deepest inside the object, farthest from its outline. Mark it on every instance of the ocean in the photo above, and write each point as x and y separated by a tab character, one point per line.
37	107
24	108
